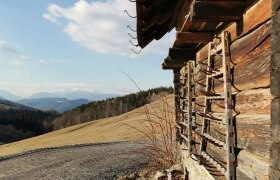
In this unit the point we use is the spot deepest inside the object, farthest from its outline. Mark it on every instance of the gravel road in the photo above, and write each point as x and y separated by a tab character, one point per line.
95	161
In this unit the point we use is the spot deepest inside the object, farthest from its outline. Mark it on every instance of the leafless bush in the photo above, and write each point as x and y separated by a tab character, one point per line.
160	130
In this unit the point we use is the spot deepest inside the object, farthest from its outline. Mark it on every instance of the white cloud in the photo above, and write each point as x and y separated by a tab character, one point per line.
51	18
55	60
19	60
99	25
5	47
20	72
42	60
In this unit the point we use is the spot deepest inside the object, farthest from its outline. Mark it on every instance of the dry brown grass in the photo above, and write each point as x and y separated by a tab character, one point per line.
104	130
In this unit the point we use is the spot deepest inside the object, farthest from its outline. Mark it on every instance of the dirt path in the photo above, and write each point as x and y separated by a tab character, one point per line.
96	161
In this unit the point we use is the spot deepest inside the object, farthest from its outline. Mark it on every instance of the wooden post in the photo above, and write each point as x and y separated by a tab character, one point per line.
274	160
206	103
176	93
189	106
230	145
184	104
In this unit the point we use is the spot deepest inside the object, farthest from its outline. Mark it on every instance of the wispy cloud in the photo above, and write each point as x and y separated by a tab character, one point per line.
99	26
19	60
6	47
20	72
51	17
42	60
27	89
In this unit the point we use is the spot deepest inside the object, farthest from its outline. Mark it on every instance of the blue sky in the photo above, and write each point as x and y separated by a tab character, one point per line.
48	46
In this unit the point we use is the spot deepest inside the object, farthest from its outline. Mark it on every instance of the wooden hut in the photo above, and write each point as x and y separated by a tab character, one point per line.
225	59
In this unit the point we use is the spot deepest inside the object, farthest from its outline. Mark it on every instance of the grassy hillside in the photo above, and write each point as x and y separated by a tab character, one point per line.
104	130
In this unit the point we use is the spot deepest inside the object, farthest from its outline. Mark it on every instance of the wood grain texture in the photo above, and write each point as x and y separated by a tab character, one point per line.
194	37
254	17
255	101
253	133
250	74
217	11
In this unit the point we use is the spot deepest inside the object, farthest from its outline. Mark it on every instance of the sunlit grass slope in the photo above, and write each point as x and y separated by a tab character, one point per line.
104	130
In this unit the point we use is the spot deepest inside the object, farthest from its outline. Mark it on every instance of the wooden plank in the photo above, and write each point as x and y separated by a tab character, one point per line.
253	73
183	106
194	37
213	162
217	11
252	70
165	67
254	17
176	61
254	167
206	104
182	54
183	14
253	133
187	23
250	165
189	106
255	101
230	137
243	46
172	65
274	172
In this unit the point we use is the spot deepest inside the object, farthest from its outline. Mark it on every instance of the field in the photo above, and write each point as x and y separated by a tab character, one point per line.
112	129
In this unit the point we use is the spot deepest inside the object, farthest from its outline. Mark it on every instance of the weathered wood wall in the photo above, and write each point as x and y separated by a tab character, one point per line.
251	55
274	171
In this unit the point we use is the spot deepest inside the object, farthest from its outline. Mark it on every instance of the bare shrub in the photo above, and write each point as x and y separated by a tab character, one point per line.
159	129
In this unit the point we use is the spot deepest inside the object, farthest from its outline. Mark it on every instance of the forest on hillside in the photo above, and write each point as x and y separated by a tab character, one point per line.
18	122
109	107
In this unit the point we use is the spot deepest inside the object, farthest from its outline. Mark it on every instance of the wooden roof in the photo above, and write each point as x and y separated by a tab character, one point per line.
196	22
204	20
155	18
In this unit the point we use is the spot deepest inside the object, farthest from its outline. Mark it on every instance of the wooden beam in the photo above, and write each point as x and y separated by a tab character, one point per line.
218	11
187	23
194	37
176	61
171	65
164	67
184	54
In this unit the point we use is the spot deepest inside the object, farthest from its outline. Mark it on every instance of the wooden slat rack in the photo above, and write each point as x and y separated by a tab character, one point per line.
226	96
186	107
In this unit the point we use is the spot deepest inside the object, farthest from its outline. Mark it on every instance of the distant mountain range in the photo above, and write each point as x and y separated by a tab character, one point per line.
8	96
59	104
72	95
58	101
9	105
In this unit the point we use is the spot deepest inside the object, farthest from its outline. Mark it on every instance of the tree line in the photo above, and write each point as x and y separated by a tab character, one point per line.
109	107
19	122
